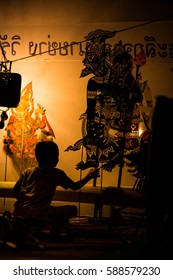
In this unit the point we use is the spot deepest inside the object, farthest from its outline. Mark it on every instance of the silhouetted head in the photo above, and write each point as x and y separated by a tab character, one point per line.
47	154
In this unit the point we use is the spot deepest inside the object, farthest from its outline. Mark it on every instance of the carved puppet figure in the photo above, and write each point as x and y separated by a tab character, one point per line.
112	96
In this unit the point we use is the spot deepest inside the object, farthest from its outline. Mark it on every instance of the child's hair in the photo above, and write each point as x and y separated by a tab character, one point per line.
47	153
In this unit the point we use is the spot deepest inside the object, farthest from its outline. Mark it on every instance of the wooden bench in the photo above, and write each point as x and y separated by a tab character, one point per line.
112	196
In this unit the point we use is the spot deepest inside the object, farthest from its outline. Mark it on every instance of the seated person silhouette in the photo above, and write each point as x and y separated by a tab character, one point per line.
36	186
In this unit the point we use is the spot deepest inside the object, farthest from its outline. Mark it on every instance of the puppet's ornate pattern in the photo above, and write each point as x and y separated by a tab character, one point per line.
112	97
117	103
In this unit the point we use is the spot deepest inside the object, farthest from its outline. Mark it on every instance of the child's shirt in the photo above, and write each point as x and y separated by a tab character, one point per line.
35	189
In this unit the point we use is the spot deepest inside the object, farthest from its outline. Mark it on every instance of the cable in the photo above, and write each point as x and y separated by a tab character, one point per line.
33	55
142	24
76	43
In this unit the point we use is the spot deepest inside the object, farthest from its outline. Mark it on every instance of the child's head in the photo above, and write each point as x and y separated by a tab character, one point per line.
47	154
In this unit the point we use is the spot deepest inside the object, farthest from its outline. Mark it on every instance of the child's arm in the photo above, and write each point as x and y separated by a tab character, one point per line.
93	173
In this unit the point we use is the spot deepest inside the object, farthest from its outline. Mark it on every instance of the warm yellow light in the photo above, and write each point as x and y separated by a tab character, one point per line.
140	131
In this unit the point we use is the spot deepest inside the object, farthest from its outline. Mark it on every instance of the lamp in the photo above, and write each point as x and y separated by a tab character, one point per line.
10	84
10	87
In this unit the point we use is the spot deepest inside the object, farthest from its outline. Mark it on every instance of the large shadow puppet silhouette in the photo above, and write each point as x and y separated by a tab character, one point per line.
113	94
